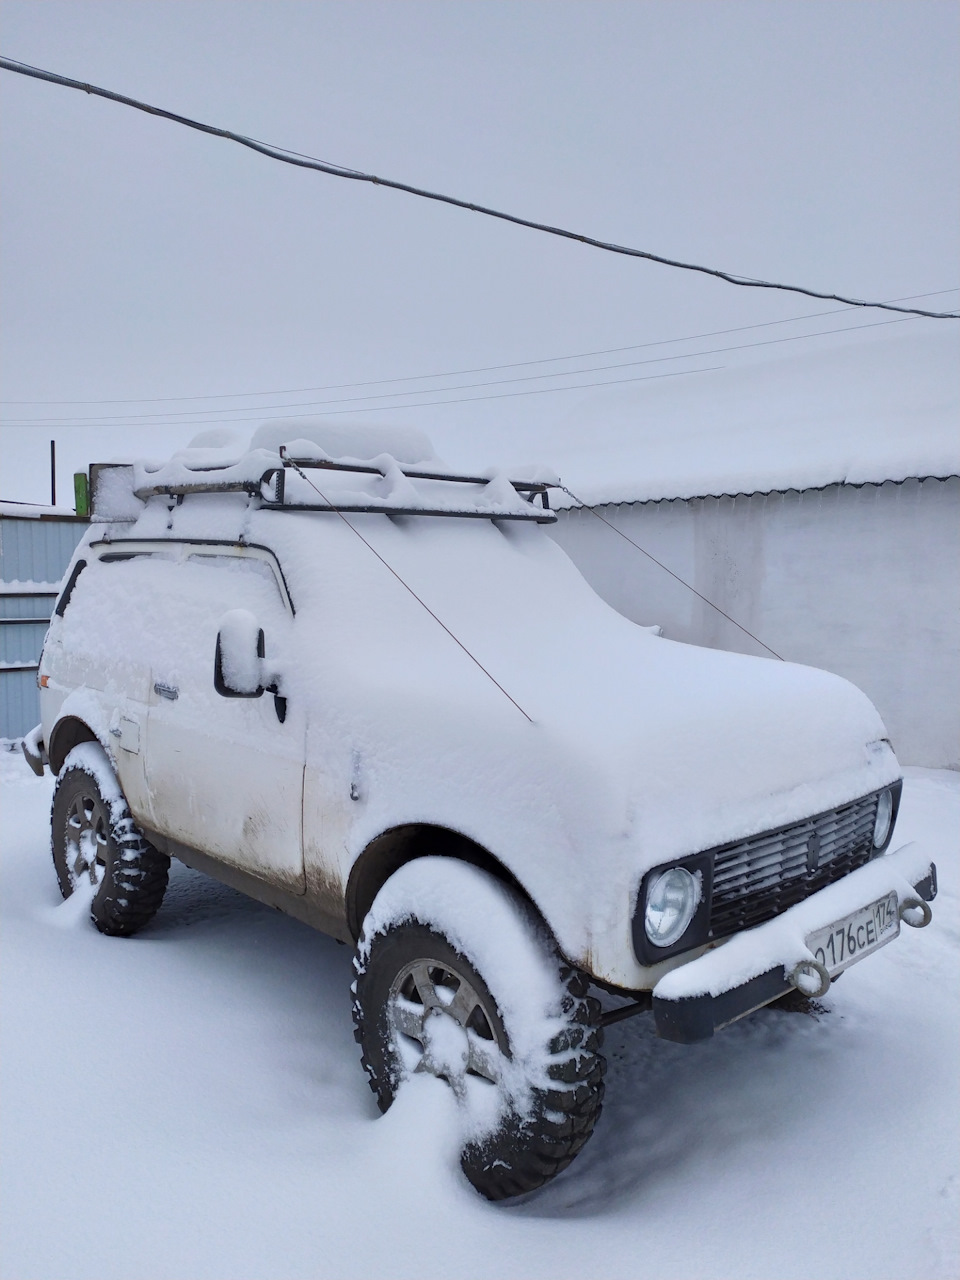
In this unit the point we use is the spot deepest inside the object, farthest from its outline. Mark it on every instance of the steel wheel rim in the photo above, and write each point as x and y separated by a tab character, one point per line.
426	990
87	833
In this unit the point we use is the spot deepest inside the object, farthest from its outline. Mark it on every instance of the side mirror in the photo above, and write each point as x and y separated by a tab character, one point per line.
238	665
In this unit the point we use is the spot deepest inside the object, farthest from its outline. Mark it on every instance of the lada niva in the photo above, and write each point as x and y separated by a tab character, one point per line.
369	690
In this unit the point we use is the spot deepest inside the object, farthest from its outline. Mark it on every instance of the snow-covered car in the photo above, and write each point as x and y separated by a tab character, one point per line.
369	690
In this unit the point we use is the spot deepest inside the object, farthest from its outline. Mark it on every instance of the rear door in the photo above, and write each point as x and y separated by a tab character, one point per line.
92	652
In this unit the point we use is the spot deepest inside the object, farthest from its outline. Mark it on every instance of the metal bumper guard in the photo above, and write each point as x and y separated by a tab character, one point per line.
752	968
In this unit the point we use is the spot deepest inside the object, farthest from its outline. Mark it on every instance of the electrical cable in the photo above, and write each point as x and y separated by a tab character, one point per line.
491	368
407	587
593	511
198	416
384	408
354	175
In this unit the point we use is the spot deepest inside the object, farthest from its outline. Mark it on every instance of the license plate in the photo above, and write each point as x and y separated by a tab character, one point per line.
843	943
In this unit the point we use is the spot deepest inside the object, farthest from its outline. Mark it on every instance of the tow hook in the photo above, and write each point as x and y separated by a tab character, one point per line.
915	912
810	978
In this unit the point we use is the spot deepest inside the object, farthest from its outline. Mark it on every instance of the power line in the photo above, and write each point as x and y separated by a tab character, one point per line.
491	368
396	408
354	175
199	416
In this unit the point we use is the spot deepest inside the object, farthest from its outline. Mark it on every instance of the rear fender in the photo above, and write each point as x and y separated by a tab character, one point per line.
80	720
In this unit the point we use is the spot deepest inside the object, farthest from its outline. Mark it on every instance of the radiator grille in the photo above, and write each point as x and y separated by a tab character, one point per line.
758	878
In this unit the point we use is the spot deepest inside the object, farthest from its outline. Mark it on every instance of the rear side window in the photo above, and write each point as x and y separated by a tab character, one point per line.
67	591
115	557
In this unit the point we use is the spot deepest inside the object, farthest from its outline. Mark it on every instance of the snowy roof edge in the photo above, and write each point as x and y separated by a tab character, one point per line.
11	509
563	502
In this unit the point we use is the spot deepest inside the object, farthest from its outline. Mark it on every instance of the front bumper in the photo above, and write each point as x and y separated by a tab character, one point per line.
752	968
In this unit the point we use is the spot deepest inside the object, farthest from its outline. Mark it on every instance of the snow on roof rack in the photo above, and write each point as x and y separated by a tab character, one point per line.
500	499
412	473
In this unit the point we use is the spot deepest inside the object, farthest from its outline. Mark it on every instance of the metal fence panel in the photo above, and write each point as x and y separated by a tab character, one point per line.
21	642
33	554
37	550
27	604
19	703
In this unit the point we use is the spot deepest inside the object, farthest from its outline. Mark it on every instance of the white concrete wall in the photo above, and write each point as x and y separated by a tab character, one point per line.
862	581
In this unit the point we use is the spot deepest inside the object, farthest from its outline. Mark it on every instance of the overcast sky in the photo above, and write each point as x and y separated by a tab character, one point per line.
812	142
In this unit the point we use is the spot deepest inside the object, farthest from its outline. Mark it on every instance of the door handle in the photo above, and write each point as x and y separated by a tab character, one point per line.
168	691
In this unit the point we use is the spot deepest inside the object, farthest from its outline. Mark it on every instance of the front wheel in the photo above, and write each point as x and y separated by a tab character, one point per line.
458	979
99	850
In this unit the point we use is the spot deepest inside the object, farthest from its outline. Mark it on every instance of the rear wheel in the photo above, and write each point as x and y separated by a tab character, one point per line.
98	849
524	1063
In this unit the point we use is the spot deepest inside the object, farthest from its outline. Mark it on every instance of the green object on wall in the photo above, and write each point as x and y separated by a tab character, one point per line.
81	493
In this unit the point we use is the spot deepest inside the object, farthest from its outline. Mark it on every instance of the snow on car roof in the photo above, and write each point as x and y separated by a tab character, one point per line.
360	441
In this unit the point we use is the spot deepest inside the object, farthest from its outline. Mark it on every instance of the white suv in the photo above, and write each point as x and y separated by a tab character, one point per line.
372	692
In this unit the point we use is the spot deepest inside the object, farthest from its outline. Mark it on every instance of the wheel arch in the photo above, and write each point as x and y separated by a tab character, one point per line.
67	734
397	846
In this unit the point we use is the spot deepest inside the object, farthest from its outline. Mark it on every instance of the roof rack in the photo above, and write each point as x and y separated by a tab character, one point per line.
270	488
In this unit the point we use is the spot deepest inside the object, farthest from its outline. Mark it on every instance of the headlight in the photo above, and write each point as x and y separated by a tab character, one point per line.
881	827
672	901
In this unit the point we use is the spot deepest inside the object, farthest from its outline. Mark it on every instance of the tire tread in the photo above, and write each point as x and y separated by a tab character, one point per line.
515	1161
136	876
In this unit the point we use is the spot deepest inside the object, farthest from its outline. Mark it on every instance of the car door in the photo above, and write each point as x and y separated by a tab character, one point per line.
224	774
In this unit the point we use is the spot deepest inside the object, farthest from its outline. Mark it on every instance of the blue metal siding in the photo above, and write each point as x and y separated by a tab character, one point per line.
21	642
19	703
37	550
27	605
31	551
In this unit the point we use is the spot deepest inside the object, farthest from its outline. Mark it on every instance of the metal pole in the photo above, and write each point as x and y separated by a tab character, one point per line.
53	473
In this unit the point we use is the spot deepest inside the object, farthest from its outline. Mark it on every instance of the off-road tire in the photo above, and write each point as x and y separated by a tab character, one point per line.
524	1152
130	874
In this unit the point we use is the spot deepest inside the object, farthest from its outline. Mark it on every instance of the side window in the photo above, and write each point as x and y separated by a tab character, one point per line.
244	564
100	632
67	591
234	581
106	582
201	594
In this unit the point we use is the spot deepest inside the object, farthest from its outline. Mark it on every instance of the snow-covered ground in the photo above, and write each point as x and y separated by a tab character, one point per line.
189	1104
